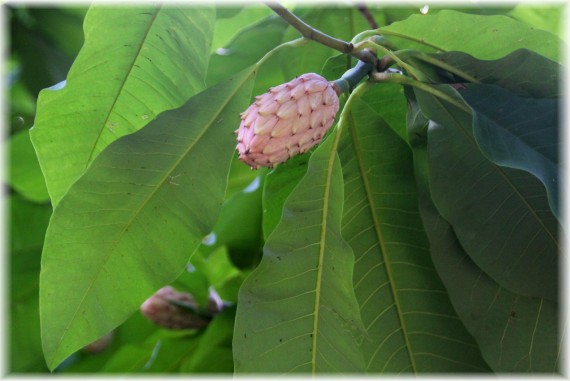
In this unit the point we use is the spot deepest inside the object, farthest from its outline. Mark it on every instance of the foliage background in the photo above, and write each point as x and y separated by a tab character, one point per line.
43	44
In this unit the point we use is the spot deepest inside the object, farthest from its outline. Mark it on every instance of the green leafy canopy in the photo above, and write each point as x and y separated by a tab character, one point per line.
421	236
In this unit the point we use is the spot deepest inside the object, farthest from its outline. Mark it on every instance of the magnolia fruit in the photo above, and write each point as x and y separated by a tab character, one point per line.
287	120
178	310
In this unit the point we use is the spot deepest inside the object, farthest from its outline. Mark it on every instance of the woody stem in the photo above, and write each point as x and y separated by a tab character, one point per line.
316	35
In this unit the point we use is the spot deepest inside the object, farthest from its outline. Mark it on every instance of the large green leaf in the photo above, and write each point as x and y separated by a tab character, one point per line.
515	72
130	223
136	63
411	325
546	16
297	311
500	215
526	137
514	333
484	37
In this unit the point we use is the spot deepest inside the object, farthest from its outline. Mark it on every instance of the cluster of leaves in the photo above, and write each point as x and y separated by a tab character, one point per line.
420	236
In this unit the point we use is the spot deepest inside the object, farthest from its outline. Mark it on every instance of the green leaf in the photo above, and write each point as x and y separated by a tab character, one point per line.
388	101
129	224
243	209
28	223
240	177
213	354
526	137
25	172
515	333
129	359
297	311
62	25
516	72
247	47
410	322
279	183
500	215
484	37
125	75
42	61
549	17
219	271
162	352
231	20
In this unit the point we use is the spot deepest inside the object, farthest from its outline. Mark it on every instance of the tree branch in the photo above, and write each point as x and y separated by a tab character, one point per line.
313	34
367	15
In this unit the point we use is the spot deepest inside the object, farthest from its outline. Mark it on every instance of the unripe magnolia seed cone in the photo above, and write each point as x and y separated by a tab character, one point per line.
287	120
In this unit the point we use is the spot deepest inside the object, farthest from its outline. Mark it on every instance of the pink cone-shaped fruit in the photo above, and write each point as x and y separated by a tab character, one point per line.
287	120
162	309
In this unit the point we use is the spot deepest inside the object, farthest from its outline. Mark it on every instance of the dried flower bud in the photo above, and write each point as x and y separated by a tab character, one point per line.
177	310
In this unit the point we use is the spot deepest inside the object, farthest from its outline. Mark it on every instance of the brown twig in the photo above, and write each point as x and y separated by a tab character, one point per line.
367	15
316	35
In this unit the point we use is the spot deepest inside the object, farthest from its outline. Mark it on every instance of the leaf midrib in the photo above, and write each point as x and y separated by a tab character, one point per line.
122	85
381	240
143	206
326	200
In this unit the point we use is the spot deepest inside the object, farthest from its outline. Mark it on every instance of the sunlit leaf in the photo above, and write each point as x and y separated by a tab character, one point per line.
129	225
549	17
125	75
484	37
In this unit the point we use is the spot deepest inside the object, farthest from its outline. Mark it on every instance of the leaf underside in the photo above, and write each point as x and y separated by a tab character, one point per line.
134	70
306	314
130	223
515	333
410	323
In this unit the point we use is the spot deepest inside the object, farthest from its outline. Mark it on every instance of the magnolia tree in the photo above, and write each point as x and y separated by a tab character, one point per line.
392	206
